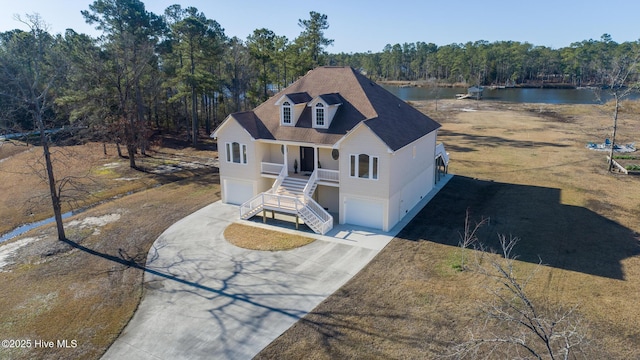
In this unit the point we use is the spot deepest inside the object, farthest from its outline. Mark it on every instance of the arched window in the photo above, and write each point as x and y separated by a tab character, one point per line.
319	114
236	153
363	166
286	113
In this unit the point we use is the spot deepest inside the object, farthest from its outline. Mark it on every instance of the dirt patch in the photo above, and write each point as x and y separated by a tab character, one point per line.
7	251
94	223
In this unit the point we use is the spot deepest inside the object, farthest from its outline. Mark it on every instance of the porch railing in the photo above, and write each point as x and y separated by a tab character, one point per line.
328	175
316	217
271	168
440	151
311	184
279	180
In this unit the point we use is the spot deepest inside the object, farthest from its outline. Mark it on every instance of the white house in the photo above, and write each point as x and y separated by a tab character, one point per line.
334	144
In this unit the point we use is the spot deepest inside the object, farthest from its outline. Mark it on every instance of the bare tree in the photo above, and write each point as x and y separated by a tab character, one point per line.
620	79
33	66
469	238
515	324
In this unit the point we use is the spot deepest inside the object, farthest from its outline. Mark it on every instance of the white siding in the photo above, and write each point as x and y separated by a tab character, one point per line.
356	191
412	177
272	153
326	161
364	141
248	173
328	197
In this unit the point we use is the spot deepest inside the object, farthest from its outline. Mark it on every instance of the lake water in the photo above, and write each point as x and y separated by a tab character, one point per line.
520	95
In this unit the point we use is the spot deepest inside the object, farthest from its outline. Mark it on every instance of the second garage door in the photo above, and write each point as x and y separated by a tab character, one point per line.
364	212
236	191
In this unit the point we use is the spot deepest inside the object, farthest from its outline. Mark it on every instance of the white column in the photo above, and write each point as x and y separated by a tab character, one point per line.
316	157
286	162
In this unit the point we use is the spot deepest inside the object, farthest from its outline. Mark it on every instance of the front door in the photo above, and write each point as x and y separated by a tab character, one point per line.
306	159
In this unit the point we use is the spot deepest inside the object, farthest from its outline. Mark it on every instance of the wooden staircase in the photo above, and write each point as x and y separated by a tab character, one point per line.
291	195
291	187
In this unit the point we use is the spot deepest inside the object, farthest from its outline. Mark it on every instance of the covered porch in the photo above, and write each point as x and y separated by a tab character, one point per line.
301	160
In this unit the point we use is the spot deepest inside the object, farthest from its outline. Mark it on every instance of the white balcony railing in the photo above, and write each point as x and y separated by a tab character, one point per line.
271	168
328	175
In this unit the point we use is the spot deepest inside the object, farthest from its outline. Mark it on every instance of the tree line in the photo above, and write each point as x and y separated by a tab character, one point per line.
144	73
502	63
178	70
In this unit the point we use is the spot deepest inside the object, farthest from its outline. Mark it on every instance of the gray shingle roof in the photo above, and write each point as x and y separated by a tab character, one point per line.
331	99
395	122
298	98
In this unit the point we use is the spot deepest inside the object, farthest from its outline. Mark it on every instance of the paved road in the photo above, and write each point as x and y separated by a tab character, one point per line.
206	298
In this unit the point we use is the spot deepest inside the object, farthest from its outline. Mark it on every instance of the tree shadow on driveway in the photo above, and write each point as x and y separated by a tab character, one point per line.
230	305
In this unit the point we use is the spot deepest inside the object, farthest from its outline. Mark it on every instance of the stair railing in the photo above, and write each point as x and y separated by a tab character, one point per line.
279	179
251	204
310	183
323	215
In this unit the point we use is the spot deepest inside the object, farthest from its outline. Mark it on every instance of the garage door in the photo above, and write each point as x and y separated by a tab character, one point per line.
236	191
363	212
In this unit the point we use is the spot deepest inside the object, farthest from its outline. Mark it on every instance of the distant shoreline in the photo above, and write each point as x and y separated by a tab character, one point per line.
430	84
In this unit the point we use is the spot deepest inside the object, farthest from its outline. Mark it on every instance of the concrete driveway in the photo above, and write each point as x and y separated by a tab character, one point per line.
206	298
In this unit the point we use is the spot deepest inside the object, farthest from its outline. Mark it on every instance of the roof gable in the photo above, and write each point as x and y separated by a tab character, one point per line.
391	119
253	125
331	99
295	98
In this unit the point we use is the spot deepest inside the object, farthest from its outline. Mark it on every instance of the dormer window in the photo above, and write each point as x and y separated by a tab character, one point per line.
323	110
319	114
286	113
291	107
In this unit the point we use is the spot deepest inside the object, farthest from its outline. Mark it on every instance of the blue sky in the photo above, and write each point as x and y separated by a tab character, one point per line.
360	25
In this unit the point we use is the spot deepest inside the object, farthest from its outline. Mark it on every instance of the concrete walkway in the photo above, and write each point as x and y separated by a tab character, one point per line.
205	298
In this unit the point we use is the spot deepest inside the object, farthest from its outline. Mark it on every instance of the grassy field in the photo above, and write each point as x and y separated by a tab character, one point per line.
93	175
88	288
526	168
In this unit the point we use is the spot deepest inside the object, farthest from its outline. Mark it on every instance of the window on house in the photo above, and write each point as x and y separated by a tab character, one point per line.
363	166
319	114
236	153
244	154
286	113
352	171
374	168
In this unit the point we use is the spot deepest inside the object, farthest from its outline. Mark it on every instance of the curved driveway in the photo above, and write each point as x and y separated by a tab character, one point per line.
205	298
